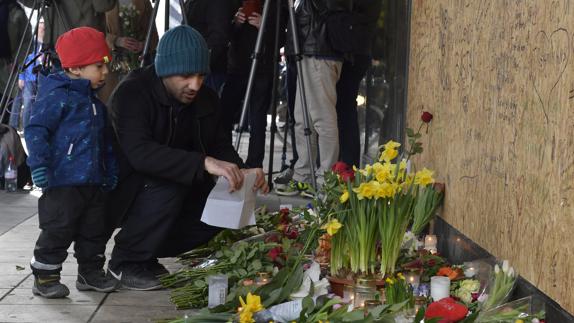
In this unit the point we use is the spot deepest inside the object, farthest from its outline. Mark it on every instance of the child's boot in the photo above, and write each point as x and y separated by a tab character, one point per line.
49	286
96	279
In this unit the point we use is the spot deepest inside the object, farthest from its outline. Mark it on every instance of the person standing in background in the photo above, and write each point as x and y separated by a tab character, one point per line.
27	83
75	13
247	24
212	18
353	71
127	25
13	22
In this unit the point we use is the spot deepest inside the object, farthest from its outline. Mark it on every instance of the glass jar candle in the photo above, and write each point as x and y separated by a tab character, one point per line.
370	305
365	289
348	294
217	290
263	278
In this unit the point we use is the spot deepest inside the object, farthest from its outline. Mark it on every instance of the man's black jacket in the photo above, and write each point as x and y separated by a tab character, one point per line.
162	139
212	19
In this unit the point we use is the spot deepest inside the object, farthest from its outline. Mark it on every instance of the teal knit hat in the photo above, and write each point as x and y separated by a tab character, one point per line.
182	50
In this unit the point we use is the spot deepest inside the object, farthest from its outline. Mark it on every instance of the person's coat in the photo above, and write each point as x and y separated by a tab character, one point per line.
74	13
161	139
68	133
13	23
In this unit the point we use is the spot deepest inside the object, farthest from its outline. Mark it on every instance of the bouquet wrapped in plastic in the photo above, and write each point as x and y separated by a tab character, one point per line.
526	310
500	287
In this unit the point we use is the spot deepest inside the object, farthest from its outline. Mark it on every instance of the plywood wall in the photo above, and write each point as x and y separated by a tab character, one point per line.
498	75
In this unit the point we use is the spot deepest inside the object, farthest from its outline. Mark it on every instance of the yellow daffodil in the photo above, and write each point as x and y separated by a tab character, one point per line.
246	317
252	304
390	151
383	172
385	190
389	154
366	190
332	227
367	171
391	145
519	321
344	197
424	177
401	276
389	281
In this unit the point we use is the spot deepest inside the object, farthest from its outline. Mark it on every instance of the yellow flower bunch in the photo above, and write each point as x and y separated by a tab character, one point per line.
332	227
251	305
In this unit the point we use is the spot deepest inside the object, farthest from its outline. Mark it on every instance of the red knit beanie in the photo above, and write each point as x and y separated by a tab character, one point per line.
82	46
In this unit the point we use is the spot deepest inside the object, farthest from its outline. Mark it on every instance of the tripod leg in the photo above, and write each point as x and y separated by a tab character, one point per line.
13	77
146	56
274	94
256	54
301	88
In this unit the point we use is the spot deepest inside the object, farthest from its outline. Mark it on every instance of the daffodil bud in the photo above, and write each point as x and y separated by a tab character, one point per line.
496	269
511	272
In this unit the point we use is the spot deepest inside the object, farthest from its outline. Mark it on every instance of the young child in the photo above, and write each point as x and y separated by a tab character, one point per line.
71	158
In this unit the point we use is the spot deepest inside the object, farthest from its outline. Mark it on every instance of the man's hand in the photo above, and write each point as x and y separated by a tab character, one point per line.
255	20
239	17
21	84
228	170
260	182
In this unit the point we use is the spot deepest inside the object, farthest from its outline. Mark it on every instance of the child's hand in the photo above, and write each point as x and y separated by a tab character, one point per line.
39	177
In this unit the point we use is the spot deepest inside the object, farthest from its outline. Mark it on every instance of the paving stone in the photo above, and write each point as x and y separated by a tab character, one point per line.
123	314
10	281
61	313
24	296
126	297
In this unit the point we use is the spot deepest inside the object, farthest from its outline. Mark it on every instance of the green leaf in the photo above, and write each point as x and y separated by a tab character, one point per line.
256	264
410	132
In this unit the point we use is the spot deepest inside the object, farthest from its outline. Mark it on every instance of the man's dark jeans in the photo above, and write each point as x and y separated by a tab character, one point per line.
347	119
231	102
163	221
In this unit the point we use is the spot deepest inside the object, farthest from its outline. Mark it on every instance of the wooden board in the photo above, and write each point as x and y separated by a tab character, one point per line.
498	77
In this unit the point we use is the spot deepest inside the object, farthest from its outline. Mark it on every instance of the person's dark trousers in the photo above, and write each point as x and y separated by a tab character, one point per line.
347	90
15	111
291	91
232	103
215	81
66	215
163	221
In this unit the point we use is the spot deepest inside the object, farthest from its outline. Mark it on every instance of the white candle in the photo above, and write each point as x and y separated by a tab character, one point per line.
470	269
430	241
413	279
440	287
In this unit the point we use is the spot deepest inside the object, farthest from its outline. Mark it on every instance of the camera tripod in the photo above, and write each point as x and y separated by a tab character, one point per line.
255	61
20	66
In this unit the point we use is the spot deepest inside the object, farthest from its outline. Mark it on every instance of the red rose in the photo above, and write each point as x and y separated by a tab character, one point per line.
348	175
291	233
275	253
431	263
339	167
426	117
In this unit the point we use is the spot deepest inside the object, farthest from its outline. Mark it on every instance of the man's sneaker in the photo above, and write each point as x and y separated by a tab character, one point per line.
157	268
136	276
96	280
289	189
305	189
49	286
284	177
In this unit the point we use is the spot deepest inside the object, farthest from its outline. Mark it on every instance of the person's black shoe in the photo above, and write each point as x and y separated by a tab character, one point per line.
96	280
157	268
135	276
49	286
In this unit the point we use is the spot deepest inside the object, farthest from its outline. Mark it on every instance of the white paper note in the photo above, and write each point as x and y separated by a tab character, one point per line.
231	210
